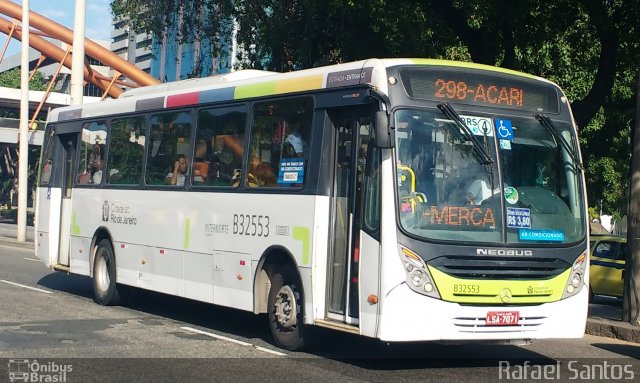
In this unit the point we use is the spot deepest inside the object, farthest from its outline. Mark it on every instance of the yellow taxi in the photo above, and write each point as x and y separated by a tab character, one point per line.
608	255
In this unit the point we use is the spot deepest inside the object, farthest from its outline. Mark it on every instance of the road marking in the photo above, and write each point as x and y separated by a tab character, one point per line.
269	351
33	259
233	340
26	287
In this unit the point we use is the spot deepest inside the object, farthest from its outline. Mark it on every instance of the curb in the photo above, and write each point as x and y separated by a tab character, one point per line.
612	329
14	242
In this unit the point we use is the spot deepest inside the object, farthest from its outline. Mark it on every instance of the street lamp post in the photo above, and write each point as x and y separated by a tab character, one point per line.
23	159
77	60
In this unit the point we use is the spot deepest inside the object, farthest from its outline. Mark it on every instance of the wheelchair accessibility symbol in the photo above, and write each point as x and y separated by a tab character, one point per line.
504	129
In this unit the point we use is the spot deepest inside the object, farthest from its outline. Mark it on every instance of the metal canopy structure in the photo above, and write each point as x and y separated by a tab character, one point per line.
44	27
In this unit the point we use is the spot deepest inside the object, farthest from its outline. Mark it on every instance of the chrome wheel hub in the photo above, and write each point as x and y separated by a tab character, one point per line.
286	307
102	274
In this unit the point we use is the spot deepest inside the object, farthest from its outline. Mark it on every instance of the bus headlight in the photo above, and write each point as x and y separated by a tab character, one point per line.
576	278
418	277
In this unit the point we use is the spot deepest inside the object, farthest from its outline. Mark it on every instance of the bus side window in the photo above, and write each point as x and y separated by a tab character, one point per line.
92	149
219	146
47	162
126	151
170	140
279	146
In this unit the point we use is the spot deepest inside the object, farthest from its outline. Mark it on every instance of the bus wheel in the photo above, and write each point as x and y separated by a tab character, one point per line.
286	310
105	291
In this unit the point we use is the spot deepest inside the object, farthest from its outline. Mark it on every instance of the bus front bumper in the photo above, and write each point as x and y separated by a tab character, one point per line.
409	316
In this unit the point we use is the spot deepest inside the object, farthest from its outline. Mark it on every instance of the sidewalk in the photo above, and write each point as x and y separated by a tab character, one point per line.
605	314
9	233
605	319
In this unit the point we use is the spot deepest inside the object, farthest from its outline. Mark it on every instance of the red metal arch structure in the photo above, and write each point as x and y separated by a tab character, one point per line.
49	28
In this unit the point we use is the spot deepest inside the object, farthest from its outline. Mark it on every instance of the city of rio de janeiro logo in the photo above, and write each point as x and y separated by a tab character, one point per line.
105	211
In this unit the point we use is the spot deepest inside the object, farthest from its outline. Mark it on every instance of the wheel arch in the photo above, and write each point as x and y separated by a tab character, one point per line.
273	258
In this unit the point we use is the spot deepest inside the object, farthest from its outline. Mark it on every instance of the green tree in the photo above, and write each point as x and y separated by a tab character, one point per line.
11	79
589	47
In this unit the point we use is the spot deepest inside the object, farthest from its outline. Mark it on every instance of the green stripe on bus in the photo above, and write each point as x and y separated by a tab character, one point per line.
462	64
255	90
187	227
75	229
303	234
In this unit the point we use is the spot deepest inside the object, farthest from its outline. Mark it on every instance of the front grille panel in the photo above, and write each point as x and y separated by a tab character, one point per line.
476	267
478	325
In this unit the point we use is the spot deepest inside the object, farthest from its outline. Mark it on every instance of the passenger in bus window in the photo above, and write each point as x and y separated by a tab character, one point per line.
84	178
252	179
177	177
265	175
295	139
201	165
97	175
94	158
235	179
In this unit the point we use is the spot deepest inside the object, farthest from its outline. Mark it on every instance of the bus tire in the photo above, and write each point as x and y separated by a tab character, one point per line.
105	290
286	310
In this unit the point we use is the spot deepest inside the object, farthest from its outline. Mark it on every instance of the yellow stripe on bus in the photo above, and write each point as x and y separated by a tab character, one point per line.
493	291
267	88
469	65
299	84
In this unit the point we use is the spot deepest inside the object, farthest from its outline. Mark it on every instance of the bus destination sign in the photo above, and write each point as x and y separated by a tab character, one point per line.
478	88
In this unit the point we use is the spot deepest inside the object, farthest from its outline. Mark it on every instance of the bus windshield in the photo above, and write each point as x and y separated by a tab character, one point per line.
530	192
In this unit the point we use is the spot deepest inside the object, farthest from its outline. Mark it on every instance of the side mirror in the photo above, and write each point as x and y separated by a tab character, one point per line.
383	130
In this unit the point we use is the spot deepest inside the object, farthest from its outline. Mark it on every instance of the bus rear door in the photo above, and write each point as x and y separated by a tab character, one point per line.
69	142
54	197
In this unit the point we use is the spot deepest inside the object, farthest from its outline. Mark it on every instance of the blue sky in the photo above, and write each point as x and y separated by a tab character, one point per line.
97	24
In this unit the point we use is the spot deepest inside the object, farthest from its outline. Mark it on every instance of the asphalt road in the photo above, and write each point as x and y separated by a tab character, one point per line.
49	320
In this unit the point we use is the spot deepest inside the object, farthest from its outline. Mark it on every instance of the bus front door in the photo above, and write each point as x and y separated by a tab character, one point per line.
349	241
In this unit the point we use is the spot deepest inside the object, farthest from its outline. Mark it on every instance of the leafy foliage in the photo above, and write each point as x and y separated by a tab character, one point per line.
11	79
589	47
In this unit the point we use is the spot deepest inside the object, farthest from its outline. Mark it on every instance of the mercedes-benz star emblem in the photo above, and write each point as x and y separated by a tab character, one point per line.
505	295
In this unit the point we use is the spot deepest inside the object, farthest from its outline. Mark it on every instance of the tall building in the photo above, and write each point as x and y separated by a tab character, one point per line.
131	46
167	58
174	60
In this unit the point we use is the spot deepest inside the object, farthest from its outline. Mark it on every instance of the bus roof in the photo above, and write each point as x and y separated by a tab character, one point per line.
249	83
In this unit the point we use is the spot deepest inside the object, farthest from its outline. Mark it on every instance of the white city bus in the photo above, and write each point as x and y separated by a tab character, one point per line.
401	199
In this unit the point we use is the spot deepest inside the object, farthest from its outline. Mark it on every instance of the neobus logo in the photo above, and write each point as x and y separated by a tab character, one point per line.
507	252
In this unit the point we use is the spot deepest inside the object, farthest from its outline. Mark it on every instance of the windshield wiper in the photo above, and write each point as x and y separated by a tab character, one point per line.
478	148
551	128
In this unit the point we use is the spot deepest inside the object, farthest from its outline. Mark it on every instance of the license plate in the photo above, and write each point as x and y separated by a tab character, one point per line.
502	318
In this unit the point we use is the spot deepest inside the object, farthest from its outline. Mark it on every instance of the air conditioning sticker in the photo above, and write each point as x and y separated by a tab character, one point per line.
541	235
